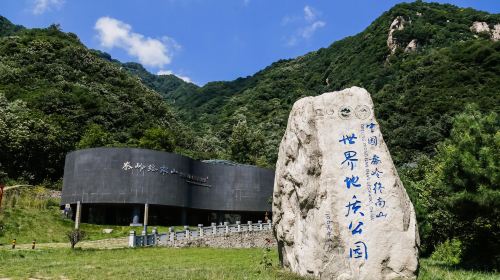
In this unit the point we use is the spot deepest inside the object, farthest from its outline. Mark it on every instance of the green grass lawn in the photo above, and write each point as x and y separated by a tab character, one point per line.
27	217
47	225
171	263
28	220
145	263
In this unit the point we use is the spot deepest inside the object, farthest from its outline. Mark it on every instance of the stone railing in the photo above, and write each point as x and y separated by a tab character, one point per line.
156	238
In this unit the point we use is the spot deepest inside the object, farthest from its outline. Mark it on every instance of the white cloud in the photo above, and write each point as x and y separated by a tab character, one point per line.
308	31
169	72
309	14
114	33
308	25
42	6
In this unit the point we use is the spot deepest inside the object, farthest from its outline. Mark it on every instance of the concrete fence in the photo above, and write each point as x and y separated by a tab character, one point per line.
156	238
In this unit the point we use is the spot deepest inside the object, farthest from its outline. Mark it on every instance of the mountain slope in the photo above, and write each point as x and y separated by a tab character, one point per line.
57	95
415	92
166	85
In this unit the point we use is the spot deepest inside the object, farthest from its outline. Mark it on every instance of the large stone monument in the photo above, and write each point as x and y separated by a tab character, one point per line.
340	210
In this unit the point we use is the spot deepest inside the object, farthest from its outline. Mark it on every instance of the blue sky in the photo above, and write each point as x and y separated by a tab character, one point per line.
206	41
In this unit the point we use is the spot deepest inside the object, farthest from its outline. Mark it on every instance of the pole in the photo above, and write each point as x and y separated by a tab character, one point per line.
146	215
78	214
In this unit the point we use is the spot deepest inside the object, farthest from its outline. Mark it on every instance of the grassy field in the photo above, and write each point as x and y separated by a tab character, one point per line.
148	263
26	216
171	263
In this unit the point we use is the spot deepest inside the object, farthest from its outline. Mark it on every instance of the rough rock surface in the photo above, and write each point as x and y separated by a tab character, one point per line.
397	24
412	46
495	33
339	208
480	26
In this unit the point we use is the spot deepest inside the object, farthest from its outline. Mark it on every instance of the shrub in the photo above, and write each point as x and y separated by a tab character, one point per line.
449	252
75	236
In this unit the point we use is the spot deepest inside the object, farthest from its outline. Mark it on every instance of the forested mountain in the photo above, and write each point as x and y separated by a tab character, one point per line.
416	92
423	63
56	95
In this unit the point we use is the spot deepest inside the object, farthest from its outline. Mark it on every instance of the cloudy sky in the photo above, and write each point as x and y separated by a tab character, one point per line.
202	40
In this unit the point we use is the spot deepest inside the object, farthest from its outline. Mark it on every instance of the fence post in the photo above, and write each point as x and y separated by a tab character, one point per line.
226	224
155	236
238	224
260	224
144	234
171	231
186	228
131	239
200	230
249	225
214	228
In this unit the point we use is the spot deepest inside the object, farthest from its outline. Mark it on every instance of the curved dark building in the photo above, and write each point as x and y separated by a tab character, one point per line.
118	185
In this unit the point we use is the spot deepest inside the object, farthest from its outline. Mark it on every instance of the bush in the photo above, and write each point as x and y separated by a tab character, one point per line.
75	236
449	252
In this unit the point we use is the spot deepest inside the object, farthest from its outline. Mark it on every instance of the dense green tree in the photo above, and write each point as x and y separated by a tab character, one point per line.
94	136
63	96
30	145
244	143
158	138
468	169
457	195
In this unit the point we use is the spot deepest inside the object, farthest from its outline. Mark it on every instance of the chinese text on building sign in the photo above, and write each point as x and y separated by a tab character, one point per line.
140	168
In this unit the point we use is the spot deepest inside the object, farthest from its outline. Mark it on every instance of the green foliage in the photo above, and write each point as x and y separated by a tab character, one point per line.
94	136
7	28
244	143
56	95
449	252
159	139
169	86
457	195
21	127
416	94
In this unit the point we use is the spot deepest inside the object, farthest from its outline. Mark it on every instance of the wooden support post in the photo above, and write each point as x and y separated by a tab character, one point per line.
78	214
146	216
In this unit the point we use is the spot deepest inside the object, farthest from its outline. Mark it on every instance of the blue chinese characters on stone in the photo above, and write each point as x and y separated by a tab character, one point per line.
346	139
376	160
357	229
380	202
373	140
371	126
354	206
352	181
377	187
381	215
360	250
376	173
350	159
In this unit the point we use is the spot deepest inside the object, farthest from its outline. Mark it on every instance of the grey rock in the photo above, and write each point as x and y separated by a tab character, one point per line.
319	228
